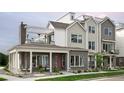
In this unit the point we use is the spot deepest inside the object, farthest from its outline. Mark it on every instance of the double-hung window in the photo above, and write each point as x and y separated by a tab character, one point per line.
108	31
92	45
91	29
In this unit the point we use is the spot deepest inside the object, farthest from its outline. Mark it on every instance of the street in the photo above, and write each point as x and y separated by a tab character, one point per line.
114	78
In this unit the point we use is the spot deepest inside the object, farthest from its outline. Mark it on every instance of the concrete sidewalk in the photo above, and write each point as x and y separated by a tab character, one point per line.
14	78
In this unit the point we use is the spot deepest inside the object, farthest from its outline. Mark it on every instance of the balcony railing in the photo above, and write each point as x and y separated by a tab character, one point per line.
115	51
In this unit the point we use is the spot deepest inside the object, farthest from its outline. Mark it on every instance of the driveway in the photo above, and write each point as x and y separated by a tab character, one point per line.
114	78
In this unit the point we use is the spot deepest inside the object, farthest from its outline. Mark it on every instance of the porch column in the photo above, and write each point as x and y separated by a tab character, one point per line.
68	62
110	62
50	61
95	63
18	54
36	60
30	62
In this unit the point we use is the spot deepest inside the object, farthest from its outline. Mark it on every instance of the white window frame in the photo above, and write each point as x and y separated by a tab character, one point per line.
75	61
77	38
91	29
91	42
109	31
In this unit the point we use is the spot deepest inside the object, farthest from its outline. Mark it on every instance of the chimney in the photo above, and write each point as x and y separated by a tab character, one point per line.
72	15
22	34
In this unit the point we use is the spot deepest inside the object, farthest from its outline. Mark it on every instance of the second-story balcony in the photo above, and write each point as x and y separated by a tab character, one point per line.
113	51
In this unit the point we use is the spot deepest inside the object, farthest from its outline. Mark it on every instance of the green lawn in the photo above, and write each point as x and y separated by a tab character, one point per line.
86	76
2	79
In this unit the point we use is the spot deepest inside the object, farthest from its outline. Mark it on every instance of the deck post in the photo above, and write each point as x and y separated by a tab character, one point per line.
30	61
110	64
68	62
50	62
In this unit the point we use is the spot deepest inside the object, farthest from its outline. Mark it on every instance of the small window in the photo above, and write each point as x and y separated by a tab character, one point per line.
89	44
110	32
79	38
77	61
72	60
74	38
106	31
93	45
93	29
89	29
52	37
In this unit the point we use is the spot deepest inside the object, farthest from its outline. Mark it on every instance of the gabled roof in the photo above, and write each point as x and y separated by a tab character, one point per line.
70	25
59	24
107	18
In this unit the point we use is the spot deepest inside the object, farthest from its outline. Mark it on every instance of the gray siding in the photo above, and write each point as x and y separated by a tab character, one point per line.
107	23
85	58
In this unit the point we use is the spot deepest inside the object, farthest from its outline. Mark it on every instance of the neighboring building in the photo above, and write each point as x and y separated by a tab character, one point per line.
120	46
68	43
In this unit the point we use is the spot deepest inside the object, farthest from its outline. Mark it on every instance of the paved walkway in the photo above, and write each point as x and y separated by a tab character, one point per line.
14	78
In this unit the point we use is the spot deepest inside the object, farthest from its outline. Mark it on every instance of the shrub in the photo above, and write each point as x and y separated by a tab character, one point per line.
3	59
55	69
79	71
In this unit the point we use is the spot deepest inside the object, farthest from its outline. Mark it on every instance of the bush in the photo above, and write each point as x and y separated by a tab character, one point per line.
79	71
55	69
3	59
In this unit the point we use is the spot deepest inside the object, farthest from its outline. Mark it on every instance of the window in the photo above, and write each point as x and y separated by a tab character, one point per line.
107	47
77	61
72	60
81	61
76	38
79	38
52	37
91	29
108	31
92	45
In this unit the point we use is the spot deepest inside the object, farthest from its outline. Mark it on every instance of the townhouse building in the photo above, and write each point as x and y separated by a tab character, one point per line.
68	43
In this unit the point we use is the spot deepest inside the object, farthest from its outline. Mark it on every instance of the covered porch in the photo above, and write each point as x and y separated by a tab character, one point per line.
27	60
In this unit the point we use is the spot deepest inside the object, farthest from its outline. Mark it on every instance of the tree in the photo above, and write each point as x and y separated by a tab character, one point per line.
99	60
3	59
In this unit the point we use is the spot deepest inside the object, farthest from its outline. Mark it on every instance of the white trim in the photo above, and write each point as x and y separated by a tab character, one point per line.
75	61
105	19
113	41
75	23
12	51
46	51
30	61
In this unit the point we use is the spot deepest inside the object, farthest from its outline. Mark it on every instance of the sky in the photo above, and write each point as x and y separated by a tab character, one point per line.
10	21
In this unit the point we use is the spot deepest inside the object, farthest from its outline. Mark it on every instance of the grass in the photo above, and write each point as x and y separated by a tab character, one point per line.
2	79
86	76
